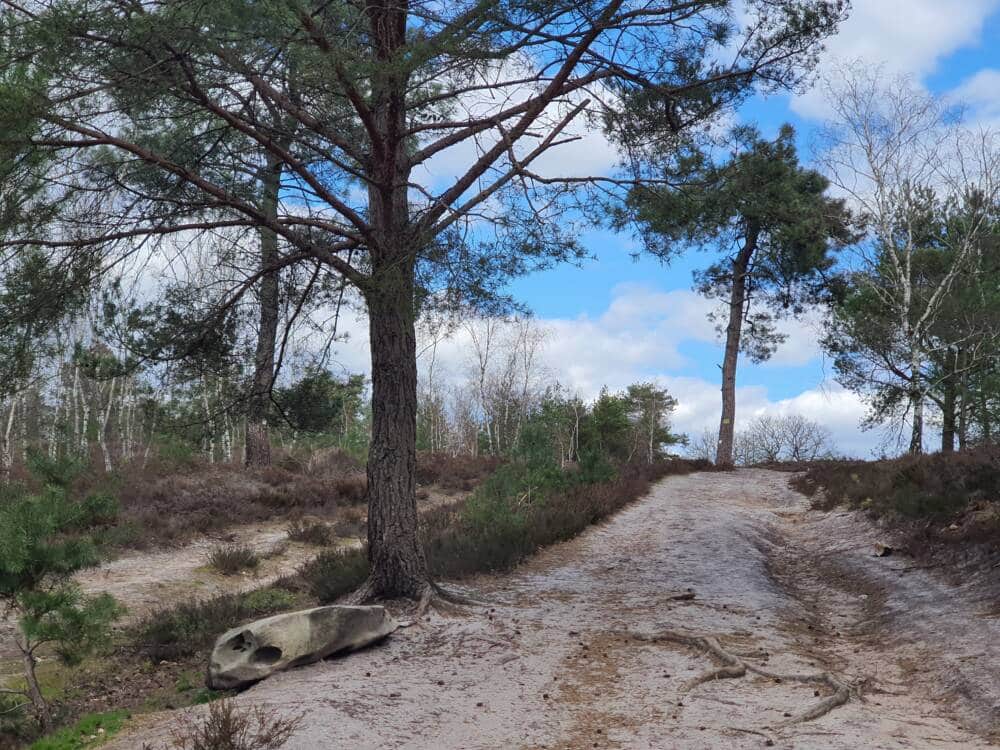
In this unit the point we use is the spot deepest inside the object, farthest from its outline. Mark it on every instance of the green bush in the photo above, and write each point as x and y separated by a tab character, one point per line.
46	537
509	518
268	600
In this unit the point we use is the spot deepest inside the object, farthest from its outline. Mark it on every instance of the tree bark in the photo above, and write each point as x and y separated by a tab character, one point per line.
258	442
398	564
38	702
734	330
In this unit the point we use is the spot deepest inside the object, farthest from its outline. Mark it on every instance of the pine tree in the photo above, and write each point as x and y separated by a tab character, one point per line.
45	537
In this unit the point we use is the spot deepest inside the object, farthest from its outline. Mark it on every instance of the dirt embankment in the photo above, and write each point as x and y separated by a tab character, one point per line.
571	651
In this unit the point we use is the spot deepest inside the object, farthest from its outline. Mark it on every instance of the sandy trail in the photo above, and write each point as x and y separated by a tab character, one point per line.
551	664
144	581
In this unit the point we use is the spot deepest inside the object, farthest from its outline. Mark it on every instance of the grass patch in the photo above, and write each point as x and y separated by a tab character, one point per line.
90	731
231	559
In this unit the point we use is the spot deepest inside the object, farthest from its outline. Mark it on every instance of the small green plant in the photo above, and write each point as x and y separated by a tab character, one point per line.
310	532
230	559
88	731
227	726
45	537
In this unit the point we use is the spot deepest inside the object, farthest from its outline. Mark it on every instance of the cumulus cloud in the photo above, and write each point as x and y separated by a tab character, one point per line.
978	94
906	36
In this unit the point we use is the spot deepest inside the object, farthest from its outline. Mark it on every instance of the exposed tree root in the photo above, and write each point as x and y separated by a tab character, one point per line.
431	595
443	600
733	666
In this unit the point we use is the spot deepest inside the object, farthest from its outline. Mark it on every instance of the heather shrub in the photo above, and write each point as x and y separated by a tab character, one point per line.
188	628
334	573
309	531
230	559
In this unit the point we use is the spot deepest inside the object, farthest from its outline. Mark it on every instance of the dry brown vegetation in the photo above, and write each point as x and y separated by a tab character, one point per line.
165	504
940	504
455	473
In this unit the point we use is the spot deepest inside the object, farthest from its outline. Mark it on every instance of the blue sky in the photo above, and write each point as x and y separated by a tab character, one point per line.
947	46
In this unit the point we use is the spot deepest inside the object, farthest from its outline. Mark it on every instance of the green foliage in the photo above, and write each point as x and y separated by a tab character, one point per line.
318	402
269	600
506	519
103	726
605	433
761	199
45	537
37	290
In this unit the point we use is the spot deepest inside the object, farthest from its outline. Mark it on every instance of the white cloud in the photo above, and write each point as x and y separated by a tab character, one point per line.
980	94
906	36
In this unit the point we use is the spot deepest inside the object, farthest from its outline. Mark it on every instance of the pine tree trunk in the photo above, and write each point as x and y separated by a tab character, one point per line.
398	565
38	702
734	330
258	444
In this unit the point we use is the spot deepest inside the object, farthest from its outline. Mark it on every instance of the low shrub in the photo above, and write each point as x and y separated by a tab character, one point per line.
268	600
309	531
185	629
230	559
334	573
351	523
934	486
935	501
227	726
175	507
455	473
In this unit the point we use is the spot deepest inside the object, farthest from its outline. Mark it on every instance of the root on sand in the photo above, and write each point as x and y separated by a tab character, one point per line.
733	666
431	595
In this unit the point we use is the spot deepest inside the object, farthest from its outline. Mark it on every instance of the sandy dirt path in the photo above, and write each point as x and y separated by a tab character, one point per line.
144	581
552	662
